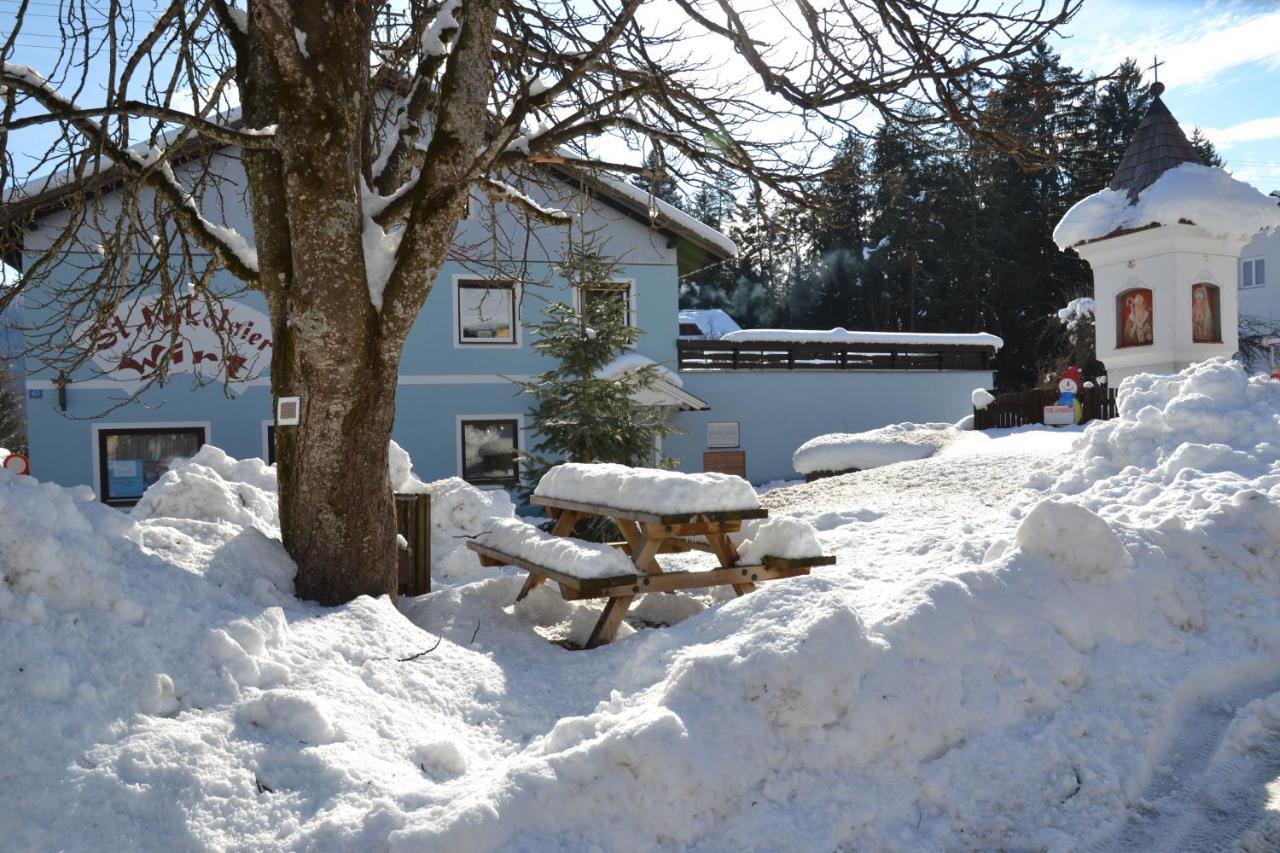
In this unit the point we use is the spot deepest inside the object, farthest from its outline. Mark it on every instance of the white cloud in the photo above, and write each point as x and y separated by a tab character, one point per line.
1255	130
1195	47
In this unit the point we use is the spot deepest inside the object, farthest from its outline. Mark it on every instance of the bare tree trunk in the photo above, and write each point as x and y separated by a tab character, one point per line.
336	507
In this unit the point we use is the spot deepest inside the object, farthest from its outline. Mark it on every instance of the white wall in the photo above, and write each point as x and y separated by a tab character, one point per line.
1263	302
1168	260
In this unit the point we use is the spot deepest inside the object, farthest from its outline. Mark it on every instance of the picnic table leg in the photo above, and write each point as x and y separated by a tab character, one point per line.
607	628
728	556
644	554
529	584
630	532
565	520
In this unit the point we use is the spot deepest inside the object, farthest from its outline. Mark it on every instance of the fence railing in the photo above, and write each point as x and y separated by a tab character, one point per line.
1020	408
793	355
413	522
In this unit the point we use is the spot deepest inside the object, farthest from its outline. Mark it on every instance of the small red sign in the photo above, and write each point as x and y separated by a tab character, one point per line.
16	463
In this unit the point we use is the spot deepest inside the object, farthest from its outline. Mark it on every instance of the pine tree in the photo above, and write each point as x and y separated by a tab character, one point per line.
13	434
1208	152
664	187
583	412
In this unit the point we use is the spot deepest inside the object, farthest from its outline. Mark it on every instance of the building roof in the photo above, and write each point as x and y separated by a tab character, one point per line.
697	244
1157	146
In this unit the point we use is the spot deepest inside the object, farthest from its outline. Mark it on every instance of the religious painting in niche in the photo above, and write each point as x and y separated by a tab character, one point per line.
1133	309
1206	322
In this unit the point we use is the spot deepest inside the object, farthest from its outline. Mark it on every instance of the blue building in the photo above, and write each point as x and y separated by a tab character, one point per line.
742	405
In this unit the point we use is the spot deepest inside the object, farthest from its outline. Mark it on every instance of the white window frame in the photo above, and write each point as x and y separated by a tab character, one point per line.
207	426
517	299
1254	261
521	444
632	313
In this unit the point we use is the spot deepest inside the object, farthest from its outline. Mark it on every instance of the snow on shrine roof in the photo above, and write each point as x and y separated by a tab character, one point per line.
1157	146
844	336
1205	196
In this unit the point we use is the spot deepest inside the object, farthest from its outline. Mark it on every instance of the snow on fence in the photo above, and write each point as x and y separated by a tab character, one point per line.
1020	408
712	355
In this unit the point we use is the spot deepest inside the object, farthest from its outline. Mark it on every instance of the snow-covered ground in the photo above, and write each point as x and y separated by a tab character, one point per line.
1032	640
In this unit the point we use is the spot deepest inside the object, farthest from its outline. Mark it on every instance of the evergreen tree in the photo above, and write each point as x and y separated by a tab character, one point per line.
664	187
834	286
13	435
583	412
1205	148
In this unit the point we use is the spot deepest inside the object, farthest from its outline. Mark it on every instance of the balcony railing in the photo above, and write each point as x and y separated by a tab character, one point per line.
711	355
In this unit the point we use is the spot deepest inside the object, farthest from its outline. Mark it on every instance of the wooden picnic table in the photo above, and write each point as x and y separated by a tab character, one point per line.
646	535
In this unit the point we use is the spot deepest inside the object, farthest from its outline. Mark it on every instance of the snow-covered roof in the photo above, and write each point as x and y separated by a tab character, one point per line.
844	336
666	390
712	322
1205	196
661	212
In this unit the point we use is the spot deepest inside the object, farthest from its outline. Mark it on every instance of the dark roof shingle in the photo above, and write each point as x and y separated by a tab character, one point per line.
1157	146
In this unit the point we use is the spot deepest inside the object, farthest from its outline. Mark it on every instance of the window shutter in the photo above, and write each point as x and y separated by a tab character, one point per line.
722	434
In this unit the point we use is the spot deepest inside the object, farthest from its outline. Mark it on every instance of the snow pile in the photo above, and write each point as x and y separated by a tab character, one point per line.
164	687
1211	425
860	451
458	511
844	336
780	536
570	556
1204	195
213	487
646	489
981	398
1074	538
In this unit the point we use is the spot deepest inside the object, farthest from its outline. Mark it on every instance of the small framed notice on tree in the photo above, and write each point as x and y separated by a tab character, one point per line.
288	411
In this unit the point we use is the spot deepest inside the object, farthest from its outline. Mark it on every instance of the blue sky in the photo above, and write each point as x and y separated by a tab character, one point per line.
1222	68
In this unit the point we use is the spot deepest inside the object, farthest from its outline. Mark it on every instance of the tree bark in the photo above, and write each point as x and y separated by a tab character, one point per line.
337	513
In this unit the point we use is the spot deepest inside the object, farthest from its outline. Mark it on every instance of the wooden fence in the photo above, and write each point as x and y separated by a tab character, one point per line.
1020	408
711	355
413	522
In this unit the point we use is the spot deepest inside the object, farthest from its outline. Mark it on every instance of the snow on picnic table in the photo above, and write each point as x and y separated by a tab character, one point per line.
646	489
574	557
999	660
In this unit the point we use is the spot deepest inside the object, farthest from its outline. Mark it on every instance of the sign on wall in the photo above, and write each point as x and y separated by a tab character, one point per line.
228	340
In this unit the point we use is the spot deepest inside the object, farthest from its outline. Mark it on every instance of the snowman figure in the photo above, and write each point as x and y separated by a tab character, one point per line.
1069	385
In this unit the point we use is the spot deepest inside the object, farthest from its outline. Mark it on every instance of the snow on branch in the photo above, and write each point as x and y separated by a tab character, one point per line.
502	191
225	243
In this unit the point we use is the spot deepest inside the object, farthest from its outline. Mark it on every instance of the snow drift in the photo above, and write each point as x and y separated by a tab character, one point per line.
860	451
969	676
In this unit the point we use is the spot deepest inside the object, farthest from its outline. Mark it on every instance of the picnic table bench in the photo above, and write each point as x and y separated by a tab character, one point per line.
646	534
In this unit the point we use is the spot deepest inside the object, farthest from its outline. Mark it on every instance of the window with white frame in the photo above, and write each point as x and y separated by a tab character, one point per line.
486	312
131	459
490	451
1253	273
607	299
